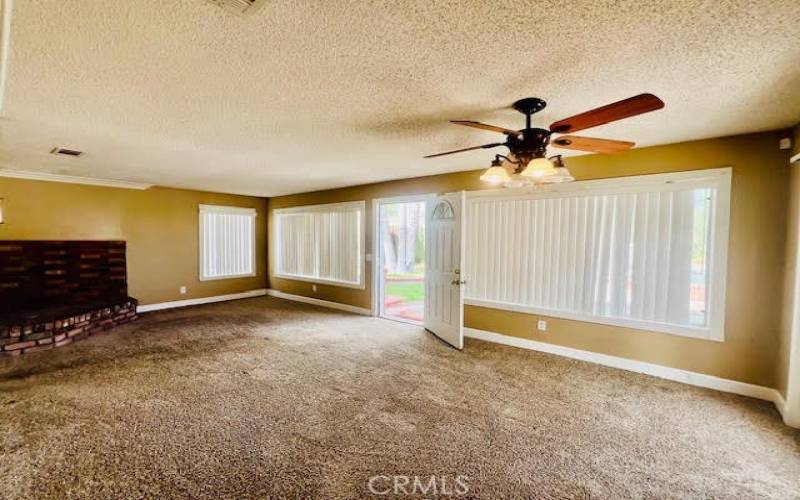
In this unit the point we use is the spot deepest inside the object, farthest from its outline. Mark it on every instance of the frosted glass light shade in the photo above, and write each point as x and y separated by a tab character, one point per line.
517	181
561	175
495	175
540	167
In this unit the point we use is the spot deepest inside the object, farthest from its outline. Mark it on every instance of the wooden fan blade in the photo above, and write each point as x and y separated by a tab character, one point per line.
632	106
484	126
591	144
485	146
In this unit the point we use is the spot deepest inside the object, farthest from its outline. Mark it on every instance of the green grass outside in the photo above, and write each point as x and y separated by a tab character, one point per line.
410	292
419	272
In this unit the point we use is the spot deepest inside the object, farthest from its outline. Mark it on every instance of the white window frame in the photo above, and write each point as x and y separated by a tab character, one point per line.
361	206
721	177
252	212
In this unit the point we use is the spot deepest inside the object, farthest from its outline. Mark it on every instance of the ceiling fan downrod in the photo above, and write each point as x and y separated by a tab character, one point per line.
529	106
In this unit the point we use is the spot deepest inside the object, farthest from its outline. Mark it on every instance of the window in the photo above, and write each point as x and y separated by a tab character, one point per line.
321	244
443	211
227	242
645	252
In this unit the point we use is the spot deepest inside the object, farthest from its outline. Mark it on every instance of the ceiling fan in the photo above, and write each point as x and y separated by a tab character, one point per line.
527	161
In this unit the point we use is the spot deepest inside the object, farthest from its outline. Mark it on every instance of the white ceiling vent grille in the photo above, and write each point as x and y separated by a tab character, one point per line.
238	6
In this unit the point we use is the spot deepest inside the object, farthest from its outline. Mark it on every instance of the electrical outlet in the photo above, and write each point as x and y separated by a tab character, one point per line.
313	288
541	325
183	290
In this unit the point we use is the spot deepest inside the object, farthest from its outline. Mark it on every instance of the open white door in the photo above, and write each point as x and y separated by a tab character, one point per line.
444	255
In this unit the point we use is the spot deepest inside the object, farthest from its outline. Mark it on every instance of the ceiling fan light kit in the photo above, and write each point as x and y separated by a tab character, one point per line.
561	175
539	168
539	171
498	173
527	163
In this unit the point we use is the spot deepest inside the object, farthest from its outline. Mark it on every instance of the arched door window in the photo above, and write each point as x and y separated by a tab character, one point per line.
443	211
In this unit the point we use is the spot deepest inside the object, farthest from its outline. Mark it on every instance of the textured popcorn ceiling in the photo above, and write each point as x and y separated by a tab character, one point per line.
304	95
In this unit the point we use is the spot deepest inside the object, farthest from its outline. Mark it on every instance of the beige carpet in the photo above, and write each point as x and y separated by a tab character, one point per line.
263	398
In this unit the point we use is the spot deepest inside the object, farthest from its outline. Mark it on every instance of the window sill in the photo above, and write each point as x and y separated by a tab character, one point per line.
320	281
227	277
649	326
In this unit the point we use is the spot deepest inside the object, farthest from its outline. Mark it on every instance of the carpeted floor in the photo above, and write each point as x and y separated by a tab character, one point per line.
263	398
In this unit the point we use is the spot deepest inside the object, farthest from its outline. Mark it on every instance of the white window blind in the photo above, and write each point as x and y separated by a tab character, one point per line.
645	252
321	243
227	242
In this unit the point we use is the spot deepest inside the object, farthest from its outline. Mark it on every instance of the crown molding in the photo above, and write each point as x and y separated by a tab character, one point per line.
72	179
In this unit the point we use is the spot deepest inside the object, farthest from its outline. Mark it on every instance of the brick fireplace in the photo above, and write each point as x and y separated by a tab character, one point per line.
55	292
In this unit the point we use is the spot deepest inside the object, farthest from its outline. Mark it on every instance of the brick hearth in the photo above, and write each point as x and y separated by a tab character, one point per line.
55	292
24	338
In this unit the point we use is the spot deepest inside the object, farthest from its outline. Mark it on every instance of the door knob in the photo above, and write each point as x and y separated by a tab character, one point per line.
458	282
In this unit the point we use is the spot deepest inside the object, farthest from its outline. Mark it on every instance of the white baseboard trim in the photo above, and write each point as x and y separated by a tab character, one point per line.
780	404
202	300
319	302
665	372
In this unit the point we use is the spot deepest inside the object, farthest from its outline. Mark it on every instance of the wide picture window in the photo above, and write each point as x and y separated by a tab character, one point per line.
321	243
227	242
646	252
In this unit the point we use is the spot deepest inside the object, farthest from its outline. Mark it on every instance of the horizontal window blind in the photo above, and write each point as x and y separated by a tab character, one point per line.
322	243
227	242
644	253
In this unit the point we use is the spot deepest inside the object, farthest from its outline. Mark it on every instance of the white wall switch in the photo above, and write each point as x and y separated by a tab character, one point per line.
541	325
785	143
183	290
313	288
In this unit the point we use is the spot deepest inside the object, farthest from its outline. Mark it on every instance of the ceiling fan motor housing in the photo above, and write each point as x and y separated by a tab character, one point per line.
530	143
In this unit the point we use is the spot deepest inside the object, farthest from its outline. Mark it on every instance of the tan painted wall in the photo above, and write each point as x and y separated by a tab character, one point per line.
160	226
756	258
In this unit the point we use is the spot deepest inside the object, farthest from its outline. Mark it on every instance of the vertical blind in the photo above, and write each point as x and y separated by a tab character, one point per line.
643	254
322	243
227	242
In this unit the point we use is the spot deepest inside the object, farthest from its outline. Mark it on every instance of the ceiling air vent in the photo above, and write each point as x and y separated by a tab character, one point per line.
66	152
238	6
